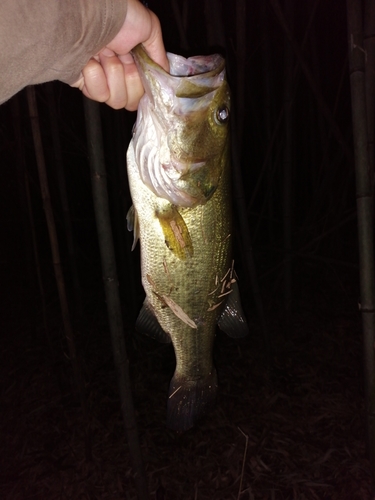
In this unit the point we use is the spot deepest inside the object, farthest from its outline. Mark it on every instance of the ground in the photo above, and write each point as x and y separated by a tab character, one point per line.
288	427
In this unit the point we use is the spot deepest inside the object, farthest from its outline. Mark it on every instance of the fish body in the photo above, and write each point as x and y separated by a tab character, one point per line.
179	177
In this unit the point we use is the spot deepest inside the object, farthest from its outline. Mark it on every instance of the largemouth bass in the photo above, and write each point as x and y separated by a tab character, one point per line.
179	177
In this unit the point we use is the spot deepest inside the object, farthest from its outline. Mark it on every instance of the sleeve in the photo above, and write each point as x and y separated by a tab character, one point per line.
44	40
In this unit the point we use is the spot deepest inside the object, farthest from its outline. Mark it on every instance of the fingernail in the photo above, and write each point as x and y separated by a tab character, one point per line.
107	52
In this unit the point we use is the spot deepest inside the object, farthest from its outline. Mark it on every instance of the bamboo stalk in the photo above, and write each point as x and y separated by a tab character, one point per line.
369	46
270	189
101	206
216	34
364	193
288	168
240	198
325	110
181	23
37	262
241	70
268	85
29	234
59	165
280	117
246	241
316	136
68	330
116	133
324	184
214	24
123	128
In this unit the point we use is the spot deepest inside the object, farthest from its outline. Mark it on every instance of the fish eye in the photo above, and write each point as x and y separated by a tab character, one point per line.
222	114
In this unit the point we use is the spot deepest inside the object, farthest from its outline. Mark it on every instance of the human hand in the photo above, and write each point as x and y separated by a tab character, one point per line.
111	76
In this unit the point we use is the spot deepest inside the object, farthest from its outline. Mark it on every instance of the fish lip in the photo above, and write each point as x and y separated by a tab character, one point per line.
214	64
191	71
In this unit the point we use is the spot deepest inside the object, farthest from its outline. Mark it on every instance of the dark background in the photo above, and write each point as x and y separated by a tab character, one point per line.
319	337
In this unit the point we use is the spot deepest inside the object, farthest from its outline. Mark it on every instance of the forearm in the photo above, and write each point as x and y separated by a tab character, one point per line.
44	40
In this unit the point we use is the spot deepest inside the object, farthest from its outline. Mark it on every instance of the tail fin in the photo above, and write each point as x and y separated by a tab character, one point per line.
189	400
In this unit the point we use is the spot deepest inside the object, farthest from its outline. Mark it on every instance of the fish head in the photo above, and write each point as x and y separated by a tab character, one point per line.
181	137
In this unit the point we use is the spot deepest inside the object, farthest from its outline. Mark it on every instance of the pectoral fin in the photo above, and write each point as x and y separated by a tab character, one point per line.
148	324
176	232
132	224
232	320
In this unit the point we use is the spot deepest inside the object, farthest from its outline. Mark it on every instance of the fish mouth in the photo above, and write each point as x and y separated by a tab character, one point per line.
193	77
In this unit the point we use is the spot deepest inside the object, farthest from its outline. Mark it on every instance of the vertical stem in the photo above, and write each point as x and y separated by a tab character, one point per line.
237	131
185	14
364	193
181	25
132	282
325	110
369	46
288	167
246	242
241	69
101	206
269	110
69	334
115	137
29	237
280	117
37	262
216	36
59	165
318	133
214	24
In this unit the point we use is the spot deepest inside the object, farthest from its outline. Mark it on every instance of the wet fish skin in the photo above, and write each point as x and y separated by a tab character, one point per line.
179	177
